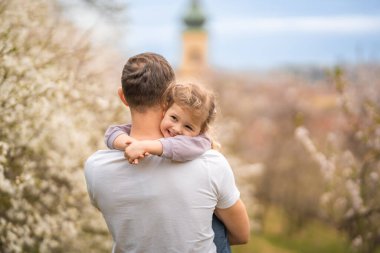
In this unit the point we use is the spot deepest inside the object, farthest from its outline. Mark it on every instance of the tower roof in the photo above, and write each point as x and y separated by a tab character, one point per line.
194	18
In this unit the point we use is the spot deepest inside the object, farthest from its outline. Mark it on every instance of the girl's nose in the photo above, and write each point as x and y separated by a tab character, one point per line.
178	129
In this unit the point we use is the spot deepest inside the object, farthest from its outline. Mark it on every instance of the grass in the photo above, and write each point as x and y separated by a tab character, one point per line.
261	245
316	237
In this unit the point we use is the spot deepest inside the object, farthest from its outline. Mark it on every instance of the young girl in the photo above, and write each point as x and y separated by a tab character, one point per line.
188	112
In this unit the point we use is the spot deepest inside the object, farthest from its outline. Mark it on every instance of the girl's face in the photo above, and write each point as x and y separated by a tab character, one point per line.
178	121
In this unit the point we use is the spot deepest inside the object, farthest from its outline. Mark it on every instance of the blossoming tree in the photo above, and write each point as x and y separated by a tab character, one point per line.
53	111
351	167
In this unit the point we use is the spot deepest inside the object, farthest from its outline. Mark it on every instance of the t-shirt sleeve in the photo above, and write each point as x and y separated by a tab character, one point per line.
183	148
113	132
89	176
223	182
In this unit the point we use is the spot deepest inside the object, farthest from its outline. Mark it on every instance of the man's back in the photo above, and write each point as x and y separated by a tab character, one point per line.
160	205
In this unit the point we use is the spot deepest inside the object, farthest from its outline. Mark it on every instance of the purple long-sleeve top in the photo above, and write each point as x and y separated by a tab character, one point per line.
179	148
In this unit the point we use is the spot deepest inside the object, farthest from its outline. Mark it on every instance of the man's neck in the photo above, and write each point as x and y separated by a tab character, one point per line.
146	125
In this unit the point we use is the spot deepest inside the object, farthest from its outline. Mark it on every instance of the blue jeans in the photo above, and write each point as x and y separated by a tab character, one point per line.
220	239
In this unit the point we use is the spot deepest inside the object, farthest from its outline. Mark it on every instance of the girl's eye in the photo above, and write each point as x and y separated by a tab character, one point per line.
189	127
173	117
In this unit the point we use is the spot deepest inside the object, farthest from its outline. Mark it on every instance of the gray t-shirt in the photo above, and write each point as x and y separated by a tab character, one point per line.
160	205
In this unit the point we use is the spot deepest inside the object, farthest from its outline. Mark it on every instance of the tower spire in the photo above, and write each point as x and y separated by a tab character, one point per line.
194	17
194	41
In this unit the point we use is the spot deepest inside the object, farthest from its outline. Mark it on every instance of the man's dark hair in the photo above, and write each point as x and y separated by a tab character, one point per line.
144	80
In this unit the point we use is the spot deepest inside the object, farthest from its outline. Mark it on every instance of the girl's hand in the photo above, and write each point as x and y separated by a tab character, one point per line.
135	151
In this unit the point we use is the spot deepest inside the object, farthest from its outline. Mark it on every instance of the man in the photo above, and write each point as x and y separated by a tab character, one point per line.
160	205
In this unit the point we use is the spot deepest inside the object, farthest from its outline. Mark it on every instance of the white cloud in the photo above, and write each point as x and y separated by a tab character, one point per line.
330	24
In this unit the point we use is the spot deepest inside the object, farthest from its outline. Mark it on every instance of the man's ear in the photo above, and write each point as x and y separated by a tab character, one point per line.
121	96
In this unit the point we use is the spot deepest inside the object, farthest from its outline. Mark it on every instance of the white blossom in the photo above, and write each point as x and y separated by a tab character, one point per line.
353	189
374	176
357	242
49	123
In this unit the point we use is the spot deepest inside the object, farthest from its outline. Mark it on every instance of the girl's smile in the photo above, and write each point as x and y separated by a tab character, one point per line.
178	121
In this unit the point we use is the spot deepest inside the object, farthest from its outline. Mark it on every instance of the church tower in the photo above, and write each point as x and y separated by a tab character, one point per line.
194	42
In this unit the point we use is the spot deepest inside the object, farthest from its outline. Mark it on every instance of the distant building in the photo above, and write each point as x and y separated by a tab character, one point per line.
194	43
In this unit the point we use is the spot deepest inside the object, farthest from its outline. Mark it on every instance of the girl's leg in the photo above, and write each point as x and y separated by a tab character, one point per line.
220	239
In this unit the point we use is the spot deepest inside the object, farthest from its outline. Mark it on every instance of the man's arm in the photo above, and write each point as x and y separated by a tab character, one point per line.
229	208
236	220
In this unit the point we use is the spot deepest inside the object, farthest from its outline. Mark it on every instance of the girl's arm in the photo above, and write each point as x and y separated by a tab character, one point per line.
183	148
180	148
117	136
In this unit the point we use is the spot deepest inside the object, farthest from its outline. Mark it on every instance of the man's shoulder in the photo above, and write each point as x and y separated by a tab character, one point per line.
107	159
105	152
215	158
104	155
213	154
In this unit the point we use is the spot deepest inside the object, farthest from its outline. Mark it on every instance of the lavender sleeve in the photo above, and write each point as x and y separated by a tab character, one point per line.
113	132
183	148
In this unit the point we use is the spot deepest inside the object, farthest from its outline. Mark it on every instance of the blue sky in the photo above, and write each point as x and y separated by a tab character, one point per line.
253	34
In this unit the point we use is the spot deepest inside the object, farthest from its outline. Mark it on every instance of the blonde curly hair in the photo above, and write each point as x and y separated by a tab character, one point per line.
196	99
